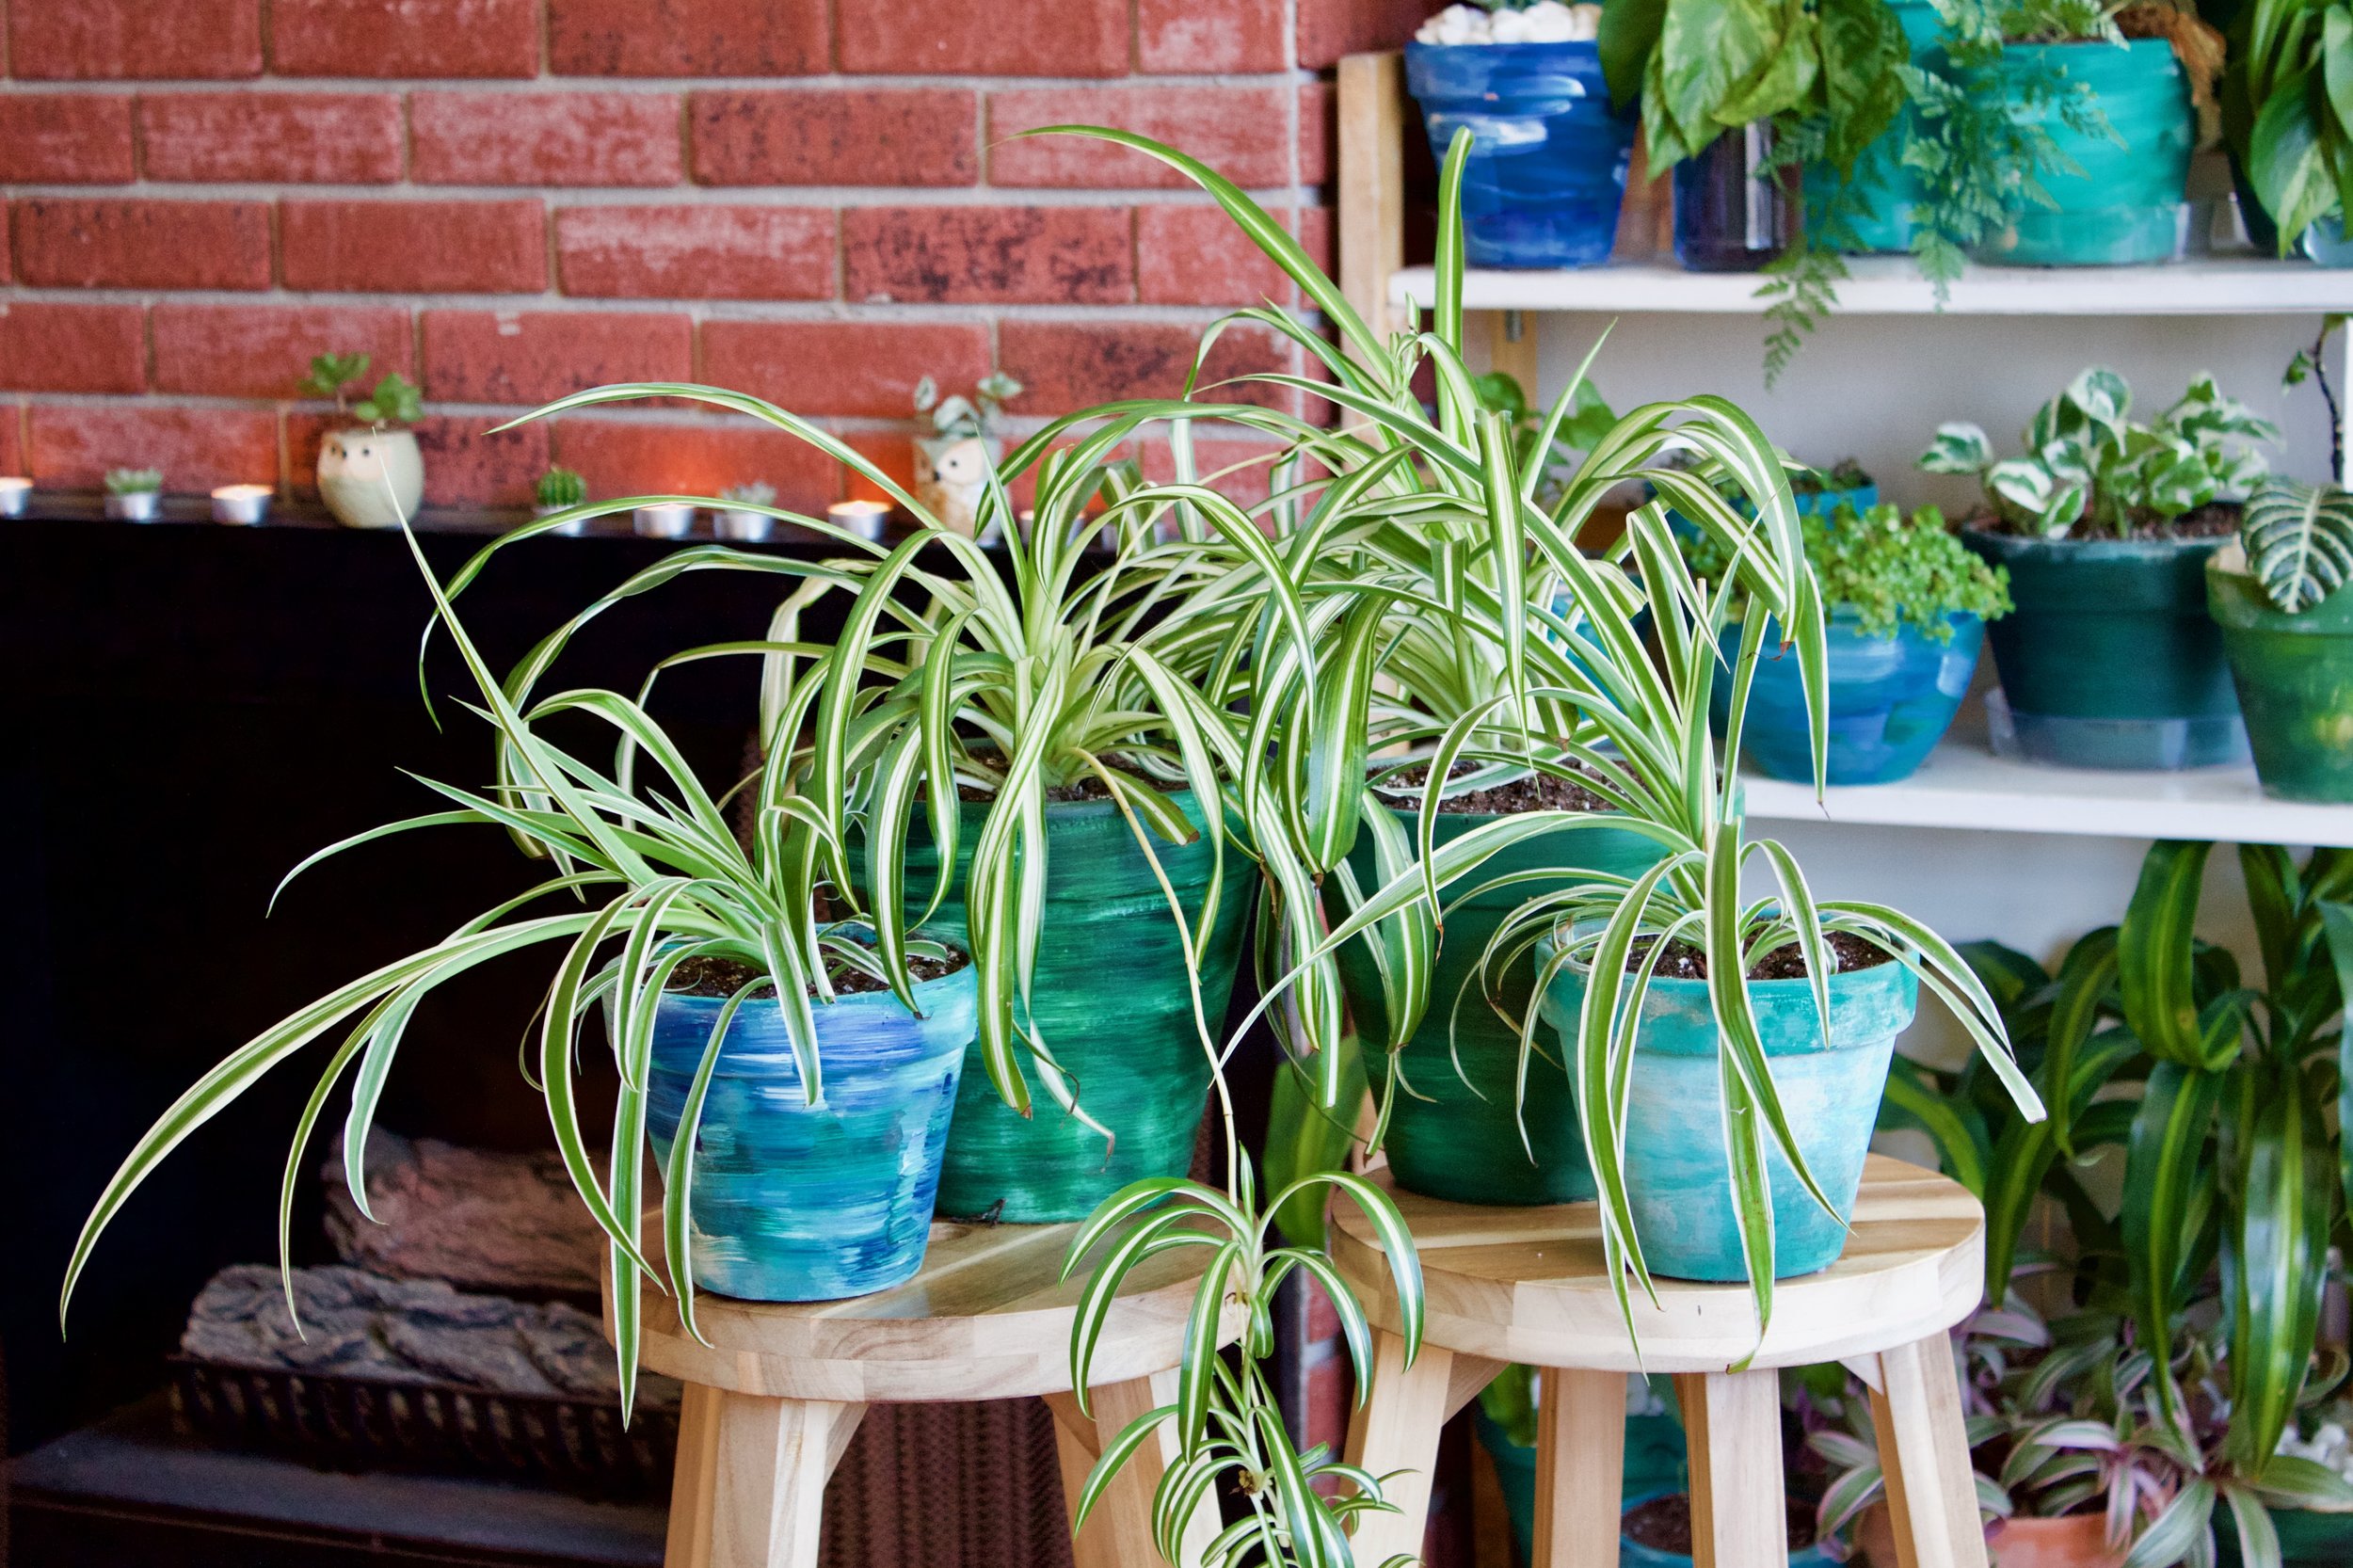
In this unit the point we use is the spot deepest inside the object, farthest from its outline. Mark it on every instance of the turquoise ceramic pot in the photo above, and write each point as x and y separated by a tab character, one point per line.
1891	699
1654	1464
1883	191
1457	1135
1676	1174
2327	244
2124	208
1633	1553
796	1202
1111	998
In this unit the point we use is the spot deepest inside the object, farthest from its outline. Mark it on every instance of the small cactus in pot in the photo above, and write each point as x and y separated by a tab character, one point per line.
372	474
559	489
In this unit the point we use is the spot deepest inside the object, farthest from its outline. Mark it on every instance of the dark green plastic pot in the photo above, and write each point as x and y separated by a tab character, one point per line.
2110	660
2295	679
1111	999
1457	1136
2123	209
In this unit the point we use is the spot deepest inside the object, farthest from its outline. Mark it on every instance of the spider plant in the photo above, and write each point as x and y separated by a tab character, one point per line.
645	876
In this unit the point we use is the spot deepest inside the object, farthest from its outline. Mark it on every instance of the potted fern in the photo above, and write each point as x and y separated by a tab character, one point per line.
2282	594
819	1079
370	474
2105	527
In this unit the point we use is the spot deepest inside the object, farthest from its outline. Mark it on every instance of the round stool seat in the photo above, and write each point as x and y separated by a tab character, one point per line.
1530	1285
986	1317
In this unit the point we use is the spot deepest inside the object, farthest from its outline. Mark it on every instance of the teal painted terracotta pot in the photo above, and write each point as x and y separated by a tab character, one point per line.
1457	1135
1892	698
796	1202
2123	209
1676	1174
1654	1464
1633	1553
2110	659
1111	998
1879	200
2295	679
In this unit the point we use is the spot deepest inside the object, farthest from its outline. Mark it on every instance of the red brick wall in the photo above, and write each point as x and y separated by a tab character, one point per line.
509	200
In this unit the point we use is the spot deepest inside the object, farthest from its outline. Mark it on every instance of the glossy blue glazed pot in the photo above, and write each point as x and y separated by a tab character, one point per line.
807	1203
1891	699
1548	156
1677	1177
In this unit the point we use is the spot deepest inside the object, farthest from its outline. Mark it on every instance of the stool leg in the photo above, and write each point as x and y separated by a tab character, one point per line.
1924	1452
1396	1430
750	1486
1118	1532
1732	1424
1580	1468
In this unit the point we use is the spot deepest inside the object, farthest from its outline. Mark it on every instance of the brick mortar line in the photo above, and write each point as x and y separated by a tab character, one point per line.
649	85
811	311
557	198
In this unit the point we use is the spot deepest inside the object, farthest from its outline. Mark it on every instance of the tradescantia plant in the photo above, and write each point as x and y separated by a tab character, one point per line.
2091	470
2213	1085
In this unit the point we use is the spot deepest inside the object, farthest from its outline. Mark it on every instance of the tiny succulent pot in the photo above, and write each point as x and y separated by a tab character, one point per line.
2327	244
1635	1554
135	505
1880	198
1108	997
1892	698
2110	659
370	478
1457	1135
793	1201
743	527
1547	166
2293	674
1735	211
665	521
1677	1174
572	530
2124	208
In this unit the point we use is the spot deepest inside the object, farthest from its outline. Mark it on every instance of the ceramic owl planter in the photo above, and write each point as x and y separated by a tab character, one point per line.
370	478
951	475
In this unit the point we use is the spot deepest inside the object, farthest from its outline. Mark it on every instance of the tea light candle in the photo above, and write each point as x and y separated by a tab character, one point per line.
13	494
863	518
671	520
241	503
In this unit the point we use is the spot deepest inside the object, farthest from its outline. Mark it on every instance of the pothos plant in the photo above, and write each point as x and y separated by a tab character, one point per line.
2212	1083
2091	470
395	401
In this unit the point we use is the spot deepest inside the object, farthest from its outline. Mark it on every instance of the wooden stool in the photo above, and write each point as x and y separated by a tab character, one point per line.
775	1398
1527	1285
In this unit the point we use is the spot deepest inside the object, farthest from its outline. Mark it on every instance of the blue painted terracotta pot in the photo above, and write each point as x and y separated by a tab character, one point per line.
1549	155
1891	699
801	1202
2124	208
1676	1174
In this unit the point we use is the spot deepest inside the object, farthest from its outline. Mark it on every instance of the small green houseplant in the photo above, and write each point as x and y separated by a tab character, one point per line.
2288	126
1908	606
134	494
371	473
2284	596
2106	524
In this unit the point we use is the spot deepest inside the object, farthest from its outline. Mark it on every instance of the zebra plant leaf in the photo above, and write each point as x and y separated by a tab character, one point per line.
2300	541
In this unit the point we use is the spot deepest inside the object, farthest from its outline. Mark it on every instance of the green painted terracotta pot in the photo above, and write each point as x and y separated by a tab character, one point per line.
2295	679
1457	1136
1110	998
2110	660
2123	209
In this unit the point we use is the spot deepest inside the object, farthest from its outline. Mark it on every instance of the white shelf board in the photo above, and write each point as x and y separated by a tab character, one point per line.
1963	785
2228	284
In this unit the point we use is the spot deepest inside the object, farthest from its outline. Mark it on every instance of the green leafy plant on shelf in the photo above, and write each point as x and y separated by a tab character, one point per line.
395	401
2298	537
2212	1083
1889	569
560	487
2092	471
2286	111
958	416
1590	420
134	481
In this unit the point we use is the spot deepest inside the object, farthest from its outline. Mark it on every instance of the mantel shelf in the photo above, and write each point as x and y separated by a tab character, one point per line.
1965	786
2227	284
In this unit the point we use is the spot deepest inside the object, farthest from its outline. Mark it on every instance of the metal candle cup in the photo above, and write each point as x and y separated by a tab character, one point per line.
13	495
669	520
245	504
865	519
